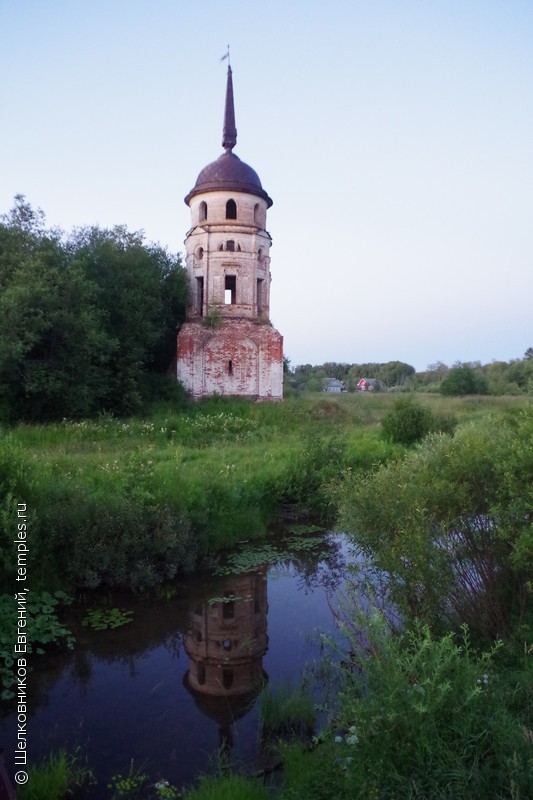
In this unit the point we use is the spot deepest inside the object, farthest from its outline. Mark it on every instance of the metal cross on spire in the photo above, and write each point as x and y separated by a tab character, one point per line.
229	131
226	56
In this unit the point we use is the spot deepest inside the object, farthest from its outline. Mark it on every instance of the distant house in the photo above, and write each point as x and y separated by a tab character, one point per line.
334	385
368	385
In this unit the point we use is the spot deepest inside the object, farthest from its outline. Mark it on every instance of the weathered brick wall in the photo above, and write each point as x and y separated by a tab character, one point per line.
248	262
241	358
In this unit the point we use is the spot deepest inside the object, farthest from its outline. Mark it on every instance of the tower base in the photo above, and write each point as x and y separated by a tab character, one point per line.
241	358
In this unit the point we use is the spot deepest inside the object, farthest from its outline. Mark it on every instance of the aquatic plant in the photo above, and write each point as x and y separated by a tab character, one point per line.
43	630
100	619
130	786
252	555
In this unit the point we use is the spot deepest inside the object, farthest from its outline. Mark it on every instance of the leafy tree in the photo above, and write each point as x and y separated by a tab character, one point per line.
85	319
463	379
53	348
143	293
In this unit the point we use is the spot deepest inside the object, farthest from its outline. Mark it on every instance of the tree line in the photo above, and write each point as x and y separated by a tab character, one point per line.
314	378
513	377
88	320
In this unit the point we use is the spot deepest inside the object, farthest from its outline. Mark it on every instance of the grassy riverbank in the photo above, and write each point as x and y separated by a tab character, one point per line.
131	502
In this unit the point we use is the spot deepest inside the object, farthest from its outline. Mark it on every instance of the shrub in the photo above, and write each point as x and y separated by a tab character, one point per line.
428	718
119	543
409	422
462	379
418	717
450	525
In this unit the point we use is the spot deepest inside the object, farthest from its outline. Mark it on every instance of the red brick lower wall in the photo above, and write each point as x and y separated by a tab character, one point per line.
239	359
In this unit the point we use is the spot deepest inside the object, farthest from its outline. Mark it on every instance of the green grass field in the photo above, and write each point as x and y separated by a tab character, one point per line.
110	497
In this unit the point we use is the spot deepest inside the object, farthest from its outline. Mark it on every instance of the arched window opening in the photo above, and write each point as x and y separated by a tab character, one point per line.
203	211
198	636
227	678
257	214
221	246
260	255
230	290
199	296
230	367
200	253
230	245
200	674
231	209
228	606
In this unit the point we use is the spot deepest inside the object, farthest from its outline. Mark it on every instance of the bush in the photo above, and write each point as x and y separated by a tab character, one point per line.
118	542
418	717
450	525
409	422
463	379
428	718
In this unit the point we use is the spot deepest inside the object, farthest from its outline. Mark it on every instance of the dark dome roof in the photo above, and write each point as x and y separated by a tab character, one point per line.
228	173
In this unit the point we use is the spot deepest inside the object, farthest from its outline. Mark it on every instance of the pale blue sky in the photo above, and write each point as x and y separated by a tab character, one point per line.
395	138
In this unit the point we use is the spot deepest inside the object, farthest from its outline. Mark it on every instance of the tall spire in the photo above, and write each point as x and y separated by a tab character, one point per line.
229	132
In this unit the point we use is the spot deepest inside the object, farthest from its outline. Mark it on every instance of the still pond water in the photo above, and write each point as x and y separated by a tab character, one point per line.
170	687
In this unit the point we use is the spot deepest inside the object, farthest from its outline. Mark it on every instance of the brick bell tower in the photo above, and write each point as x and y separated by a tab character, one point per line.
228	345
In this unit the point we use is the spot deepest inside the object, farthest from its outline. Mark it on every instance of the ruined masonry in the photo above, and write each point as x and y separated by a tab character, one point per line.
228	345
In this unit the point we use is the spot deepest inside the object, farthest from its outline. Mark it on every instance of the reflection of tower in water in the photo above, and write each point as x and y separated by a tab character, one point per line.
226	642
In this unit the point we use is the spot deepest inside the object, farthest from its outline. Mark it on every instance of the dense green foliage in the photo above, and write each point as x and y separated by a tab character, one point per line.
418	716
410	421
85	320
463	379
451	524
228	787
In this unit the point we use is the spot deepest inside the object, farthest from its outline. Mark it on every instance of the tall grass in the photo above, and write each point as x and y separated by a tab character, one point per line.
56	777
228	787
285	711
133	501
